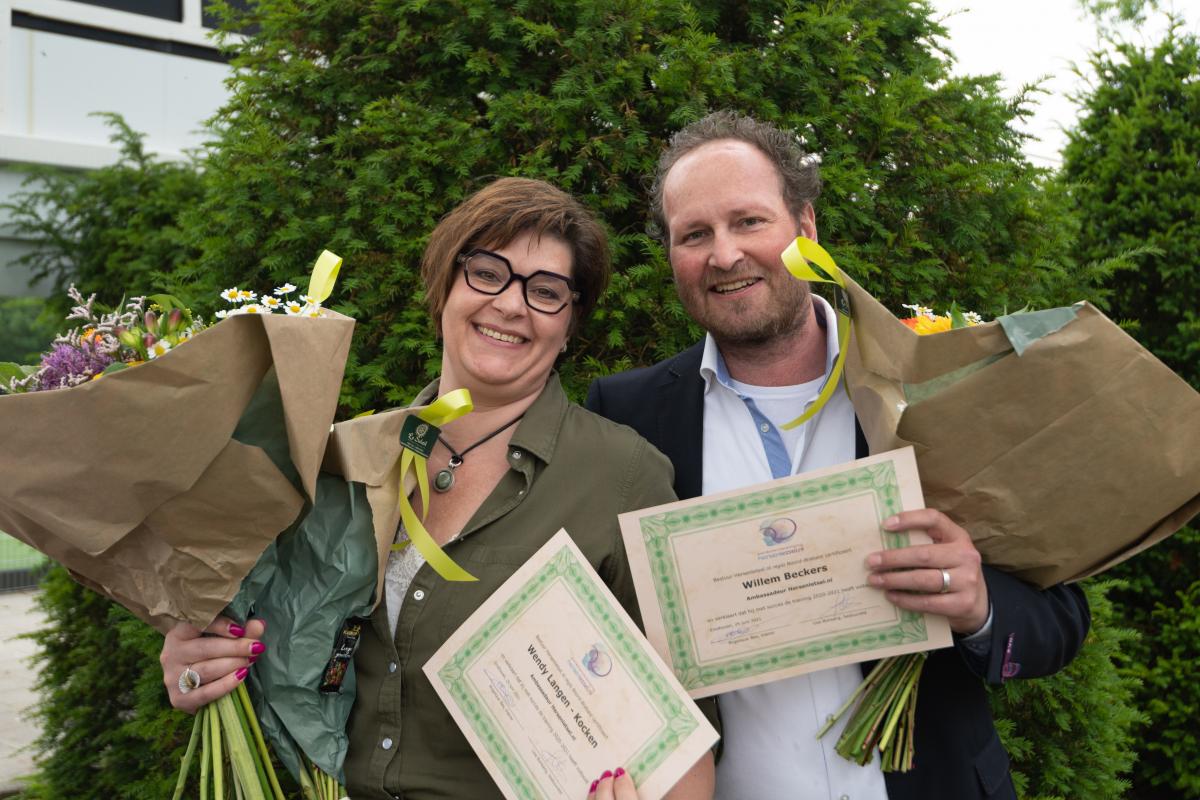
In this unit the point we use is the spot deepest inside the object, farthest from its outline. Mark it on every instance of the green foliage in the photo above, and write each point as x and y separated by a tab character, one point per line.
355	125
107	730
1071	735
358	124
110	231
1172	692
1134	166
24	330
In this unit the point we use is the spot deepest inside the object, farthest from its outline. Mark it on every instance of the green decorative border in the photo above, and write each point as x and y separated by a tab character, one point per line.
877	480
678	722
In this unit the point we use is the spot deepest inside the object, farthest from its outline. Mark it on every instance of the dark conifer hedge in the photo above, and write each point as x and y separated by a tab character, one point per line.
354	125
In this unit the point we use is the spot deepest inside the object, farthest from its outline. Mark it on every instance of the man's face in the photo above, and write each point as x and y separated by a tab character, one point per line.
727	224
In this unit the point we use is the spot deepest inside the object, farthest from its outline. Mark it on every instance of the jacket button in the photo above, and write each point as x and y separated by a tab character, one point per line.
419	594
386	744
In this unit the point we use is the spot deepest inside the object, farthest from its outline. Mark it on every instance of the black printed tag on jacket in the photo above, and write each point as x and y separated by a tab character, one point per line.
343	651
418	435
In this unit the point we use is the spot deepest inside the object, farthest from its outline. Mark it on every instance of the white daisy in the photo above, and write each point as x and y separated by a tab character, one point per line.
287	288
231	295
246	296
157	349
972	317
271	302
253	308
313	310
293	308
919	310
222	314
303	298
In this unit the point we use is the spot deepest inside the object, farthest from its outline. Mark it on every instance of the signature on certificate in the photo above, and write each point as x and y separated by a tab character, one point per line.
551	761
500	688
844	602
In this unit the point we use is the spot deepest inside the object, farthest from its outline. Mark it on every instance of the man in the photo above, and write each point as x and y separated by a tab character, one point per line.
730	194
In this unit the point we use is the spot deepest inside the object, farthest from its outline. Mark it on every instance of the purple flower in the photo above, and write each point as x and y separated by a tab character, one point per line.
69	365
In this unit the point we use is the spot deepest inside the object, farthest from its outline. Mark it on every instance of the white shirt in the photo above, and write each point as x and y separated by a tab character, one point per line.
771	749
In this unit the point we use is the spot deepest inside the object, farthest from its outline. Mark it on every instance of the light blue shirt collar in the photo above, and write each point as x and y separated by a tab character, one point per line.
712	363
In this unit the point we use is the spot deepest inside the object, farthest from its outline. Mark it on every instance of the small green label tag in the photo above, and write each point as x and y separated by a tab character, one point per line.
419	436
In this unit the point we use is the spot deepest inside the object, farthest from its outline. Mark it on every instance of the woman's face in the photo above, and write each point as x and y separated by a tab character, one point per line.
495	345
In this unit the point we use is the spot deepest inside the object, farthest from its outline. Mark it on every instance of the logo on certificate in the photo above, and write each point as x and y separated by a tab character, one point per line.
597	661
777	531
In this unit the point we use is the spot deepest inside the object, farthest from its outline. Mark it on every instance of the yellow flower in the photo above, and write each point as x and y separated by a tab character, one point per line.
926	325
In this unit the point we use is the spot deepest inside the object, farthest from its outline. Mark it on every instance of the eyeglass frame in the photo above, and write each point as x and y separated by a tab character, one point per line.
462	258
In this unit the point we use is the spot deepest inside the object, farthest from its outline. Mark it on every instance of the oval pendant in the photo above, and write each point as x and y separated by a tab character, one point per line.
443	480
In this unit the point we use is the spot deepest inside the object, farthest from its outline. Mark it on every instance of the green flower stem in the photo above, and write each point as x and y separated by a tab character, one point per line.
885	700
214	725
908	684
241	756
205	748
252	749
185	763
870	680
263	752
307	789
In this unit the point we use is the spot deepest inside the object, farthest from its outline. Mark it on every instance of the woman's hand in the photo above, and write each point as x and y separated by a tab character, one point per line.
613	786
222	659
697	783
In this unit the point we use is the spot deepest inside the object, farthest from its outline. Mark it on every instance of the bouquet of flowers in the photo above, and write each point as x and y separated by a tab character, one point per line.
1080	419
210	438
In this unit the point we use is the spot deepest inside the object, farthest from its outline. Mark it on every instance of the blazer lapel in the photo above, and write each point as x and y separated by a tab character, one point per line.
680	408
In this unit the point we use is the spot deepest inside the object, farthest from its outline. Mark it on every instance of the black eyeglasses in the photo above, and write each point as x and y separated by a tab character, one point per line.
491	273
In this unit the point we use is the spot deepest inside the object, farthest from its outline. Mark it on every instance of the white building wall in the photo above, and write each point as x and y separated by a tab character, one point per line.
52	81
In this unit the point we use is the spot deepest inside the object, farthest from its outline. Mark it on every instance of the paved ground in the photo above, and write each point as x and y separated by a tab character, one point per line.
17	616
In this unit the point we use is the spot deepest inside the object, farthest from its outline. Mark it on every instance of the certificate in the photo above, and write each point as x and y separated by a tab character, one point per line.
770	581
552	683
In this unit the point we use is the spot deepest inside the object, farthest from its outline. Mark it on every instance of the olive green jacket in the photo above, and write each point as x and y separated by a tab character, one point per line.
568	468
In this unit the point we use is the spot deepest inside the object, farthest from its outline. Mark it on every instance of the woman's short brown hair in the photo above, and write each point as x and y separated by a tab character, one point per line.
499	213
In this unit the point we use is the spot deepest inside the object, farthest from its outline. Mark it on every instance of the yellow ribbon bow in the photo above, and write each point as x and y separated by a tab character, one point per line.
808	261
446	408
324	275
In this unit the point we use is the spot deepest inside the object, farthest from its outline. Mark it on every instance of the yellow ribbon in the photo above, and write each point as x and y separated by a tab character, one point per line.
808	261
324	275
446	408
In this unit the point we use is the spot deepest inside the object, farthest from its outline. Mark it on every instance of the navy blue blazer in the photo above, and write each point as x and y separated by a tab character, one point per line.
958	754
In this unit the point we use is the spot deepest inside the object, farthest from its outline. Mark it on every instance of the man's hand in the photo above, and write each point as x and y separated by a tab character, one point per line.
915	578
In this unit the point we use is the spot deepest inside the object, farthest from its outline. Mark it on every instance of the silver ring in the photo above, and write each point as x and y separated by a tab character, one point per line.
188	679
945	582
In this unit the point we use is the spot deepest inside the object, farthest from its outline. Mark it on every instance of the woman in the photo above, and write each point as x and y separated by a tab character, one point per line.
510	274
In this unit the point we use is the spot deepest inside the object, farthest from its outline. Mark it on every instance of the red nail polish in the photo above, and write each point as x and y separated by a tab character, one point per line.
620	771
594	785
258	648
242	673
252	659
237	631
606	774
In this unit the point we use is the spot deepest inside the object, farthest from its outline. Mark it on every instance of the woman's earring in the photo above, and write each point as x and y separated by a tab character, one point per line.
564	348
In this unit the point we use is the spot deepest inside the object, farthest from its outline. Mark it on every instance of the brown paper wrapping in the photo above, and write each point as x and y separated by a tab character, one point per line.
1061	462
367	450
134	483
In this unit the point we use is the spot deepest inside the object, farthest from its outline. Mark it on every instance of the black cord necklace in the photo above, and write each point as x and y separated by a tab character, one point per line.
443	481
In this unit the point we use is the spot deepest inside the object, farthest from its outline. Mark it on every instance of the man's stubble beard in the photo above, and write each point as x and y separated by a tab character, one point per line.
740	329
